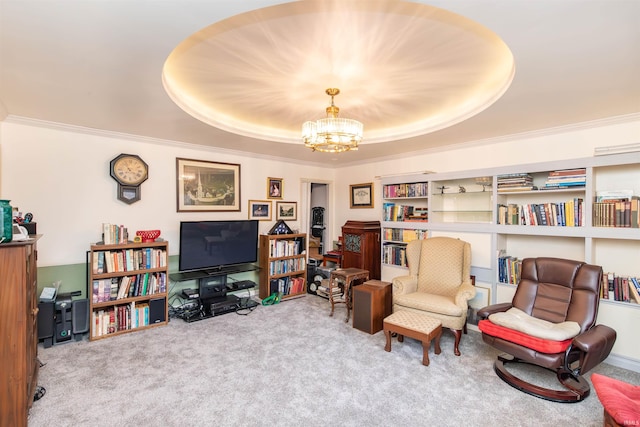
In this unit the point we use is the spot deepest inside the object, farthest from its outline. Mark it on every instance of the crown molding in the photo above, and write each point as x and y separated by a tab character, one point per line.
608	121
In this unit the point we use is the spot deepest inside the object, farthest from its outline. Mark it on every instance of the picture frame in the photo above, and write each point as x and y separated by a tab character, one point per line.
361	195
286	211
275	188
260	210
481	300
205	186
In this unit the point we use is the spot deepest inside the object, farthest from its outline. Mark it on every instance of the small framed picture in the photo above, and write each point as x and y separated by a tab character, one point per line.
286	211
361	195
260	210
274	188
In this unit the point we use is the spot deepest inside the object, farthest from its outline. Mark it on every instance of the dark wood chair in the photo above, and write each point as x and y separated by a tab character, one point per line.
551	322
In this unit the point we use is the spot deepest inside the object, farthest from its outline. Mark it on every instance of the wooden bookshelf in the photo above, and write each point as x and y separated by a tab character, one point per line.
283	265
128	288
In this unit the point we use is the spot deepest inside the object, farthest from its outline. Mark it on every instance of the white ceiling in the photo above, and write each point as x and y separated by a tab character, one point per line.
98	64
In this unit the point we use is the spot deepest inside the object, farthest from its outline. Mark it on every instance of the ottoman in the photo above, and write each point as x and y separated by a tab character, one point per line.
414	325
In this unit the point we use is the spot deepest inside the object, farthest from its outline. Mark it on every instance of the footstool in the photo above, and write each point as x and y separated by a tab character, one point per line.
414	325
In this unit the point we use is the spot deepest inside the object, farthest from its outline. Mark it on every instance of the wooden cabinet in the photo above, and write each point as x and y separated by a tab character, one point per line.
19	331
128	284
283	265
361	246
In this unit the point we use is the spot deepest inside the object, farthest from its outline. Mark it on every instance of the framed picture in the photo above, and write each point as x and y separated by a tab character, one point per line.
204	186
481	300
361	195
286	211
260	210
274	188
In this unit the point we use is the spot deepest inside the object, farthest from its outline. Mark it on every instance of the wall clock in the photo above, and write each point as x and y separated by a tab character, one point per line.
129	171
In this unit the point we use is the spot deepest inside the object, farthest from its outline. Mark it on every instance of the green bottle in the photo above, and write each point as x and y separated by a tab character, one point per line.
6	222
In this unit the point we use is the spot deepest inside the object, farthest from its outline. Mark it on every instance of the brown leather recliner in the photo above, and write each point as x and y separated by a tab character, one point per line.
551	322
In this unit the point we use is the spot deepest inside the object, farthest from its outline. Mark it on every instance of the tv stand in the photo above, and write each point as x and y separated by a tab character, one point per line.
223	271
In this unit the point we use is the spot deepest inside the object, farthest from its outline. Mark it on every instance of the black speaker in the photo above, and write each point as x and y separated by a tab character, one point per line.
156	311
311	272
80	316
46	321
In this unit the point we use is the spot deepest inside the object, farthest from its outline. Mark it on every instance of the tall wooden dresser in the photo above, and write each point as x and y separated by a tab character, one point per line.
361	246
19	331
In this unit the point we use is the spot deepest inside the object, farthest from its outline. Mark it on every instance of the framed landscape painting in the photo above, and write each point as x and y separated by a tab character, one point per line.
286	211
204	186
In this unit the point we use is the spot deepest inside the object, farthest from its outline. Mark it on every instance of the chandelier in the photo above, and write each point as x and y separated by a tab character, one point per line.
332	134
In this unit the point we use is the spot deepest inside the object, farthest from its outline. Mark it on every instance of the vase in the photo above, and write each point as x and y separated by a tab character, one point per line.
6	221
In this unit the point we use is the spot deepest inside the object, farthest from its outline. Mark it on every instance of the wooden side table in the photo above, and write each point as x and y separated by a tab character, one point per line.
348	277
372	302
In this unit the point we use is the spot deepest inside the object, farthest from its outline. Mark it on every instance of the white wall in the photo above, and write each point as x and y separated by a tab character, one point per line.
62	177
557	144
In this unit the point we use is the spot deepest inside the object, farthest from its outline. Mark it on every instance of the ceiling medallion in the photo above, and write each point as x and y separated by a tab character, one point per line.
332	134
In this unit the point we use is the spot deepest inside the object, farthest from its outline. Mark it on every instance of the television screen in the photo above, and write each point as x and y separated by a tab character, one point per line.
211	245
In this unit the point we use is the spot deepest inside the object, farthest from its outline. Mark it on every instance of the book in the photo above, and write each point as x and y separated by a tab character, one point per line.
633	292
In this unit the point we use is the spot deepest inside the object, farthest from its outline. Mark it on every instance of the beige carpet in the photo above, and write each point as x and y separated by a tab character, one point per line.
287	365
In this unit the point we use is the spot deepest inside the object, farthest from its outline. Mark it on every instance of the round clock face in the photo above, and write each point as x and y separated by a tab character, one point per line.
129	169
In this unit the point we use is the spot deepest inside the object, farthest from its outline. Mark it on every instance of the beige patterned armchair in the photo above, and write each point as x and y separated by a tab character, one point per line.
439	283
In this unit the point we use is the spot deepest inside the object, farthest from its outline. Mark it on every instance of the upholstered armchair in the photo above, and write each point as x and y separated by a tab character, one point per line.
439	284
551	323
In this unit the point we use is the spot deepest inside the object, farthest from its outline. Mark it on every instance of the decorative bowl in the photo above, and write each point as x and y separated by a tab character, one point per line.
148	235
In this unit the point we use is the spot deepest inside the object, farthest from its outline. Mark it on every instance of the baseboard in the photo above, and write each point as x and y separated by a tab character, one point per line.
623	362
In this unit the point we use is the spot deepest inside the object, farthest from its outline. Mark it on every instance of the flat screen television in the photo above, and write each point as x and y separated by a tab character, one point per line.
211	246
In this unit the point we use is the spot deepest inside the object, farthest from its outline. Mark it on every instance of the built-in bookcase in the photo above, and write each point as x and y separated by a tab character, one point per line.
532	210
128	286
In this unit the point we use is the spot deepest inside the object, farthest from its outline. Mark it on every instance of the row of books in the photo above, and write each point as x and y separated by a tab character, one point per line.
562	214
620	288
287	285
113	234
128	260
119	318
281	248
509	268
323	291
286	266
116	288
515	182
403	234
394	254
617	214
398	212
414	189
566	178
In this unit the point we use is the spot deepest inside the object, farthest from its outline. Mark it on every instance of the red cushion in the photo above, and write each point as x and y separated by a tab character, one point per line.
538	344
621	400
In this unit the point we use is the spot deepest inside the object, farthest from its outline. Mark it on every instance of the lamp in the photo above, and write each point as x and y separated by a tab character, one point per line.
332	134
